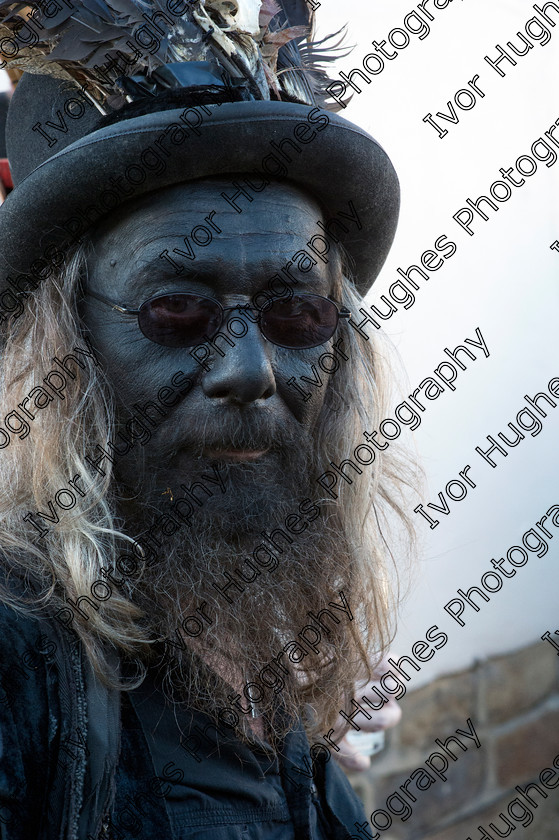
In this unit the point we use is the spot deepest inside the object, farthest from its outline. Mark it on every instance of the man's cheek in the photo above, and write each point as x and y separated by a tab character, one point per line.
135	367
302	381
164	378
304	403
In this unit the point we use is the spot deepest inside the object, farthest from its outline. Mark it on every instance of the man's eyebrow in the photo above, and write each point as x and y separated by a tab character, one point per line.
162	269
157	271
269	266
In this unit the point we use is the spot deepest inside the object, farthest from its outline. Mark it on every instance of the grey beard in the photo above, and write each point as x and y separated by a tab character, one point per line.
216	589
224	536
274	581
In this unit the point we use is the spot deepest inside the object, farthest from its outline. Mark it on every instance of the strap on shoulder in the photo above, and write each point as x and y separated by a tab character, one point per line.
83	787
103	747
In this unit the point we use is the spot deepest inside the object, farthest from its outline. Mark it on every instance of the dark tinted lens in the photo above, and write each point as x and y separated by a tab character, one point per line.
301	322
180	320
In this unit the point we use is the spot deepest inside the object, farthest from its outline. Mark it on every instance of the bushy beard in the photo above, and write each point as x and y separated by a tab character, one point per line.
212	639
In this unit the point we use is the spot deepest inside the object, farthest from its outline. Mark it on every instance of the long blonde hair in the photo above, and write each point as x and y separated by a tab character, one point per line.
67	560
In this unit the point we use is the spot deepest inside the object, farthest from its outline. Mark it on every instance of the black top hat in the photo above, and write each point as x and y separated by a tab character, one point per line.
85	136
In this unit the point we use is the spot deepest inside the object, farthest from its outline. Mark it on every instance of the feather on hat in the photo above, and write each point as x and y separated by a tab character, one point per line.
253	40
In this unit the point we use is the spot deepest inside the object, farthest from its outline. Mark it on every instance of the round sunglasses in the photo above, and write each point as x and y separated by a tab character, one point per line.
184	320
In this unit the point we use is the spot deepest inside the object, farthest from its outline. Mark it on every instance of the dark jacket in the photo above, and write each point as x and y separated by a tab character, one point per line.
68	747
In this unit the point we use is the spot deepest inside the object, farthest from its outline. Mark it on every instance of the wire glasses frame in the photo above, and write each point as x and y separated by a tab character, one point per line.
168	319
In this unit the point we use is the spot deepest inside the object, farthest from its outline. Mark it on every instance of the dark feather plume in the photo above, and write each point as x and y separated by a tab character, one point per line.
260	44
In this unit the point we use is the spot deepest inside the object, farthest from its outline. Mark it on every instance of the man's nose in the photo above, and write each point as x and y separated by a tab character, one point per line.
244	374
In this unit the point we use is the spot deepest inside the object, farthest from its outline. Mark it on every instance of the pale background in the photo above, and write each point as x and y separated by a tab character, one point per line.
504	280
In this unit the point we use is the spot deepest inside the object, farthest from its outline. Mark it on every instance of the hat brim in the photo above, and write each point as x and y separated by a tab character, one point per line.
337	162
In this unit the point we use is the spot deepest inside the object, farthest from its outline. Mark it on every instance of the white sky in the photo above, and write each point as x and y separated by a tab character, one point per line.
503	280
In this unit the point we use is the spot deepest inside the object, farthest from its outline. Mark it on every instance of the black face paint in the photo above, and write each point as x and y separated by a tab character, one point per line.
238	412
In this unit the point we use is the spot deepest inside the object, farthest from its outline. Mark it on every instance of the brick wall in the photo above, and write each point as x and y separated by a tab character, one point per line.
513	701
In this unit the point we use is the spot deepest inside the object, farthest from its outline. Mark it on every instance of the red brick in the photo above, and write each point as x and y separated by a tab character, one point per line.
518	681
522	754
465	781
439	707
544	826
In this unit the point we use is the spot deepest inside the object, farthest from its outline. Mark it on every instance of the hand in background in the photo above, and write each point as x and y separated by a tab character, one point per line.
349	755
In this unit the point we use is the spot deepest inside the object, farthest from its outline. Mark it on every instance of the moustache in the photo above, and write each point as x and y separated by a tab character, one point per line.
231	428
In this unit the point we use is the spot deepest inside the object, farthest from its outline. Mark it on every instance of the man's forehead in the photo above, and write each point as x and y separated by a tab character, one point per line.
277	208
193	232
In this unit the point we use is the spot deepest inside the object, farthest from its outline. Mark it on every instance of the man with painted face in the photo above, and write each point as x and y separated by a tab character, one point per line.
186	610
